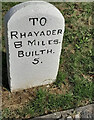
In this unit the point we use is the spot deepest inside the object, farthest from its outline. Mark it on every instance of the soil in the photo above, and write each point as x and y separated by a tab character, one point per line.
15	100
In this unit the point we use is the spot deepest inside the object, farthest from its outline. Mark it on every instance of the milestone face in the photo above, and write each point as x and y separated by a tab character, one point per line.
34	33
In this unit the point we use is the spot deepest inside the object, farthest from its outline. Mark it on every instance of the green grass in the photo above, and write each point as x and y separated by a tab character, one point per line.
76	71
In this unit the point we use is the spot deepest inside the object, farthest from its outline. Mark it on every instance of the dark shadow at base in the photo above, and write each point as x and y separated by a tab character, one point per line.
4	72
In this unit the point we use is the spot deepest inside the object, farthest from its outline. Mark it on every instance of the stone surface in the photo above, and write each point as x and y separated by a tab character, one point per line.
81	114
77	117
34	34
69	118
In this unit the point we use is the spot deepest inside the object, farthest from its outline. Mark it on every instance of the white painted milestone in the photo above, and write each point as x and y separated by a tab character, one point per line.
34	34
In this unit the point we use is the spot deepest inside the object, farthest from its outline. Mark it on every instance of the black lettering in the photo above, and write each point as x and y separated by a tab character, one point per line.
43	21
49	42
59	31
49	51
53	32
29	34
43	43
36	61
42	51
36	33
22	35
42	33
18	44
28	54
32	53
32	42
36	53
14	34
38	43
34	20
48	32
56	41
20	54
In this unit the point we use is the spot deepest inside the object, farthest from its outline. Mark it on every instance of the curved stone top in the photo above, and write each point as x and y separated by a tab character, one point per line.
36	6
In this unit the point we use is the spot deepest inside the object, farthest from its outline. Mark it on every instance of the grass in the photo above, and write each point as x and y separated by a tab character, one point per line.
76	71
